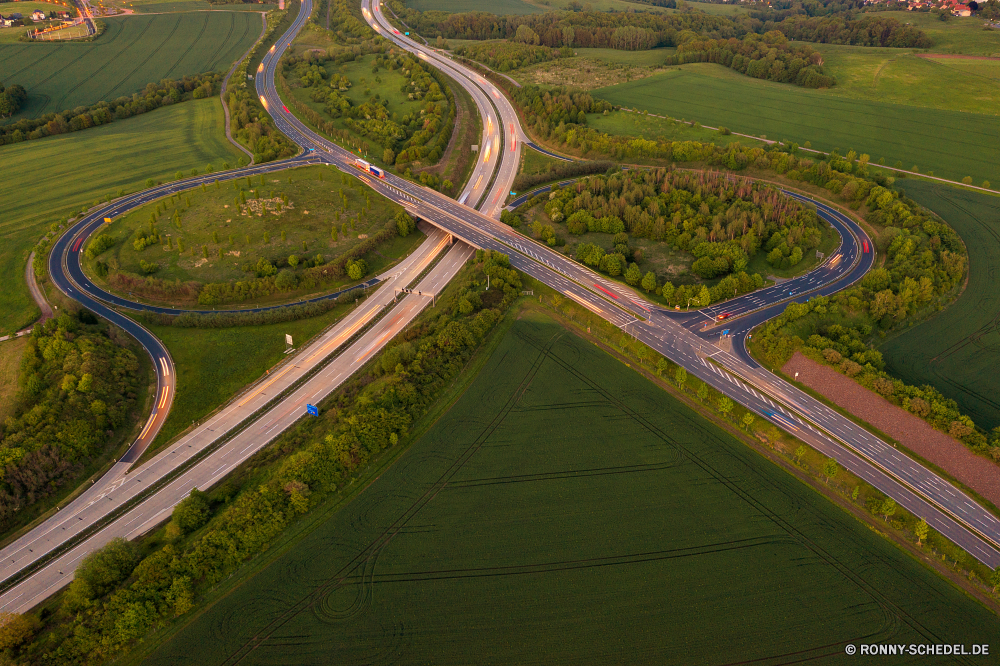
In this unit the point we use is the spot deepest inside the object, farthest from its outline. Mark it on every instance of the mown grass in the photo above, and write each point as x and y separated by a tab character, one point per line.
46	180
134	51
214	219
213	364
637	124
959	35
958	351
950	143
566	507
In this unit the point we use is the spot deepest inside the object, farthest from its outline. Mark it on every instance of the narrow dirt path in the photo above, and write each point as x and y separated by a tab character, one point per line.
225	84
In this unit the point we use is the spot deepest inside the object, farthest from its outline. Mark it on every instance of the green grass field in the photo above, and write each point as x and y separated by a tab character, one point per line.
950	143
958	351
636	124
48	179
959	35
171	6
213	363
134	51
215	220
10	371
566	510
910	77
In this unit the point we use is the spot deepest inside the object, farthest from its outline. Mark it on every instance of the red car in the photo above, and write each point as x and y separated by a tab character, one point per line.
864	246
285	108
722	316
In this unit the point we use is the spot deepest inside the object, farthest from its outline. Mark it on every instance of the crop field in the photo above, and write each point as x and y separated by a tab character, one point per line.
565	510
319	199
38	191
937	81
958	351
895	132
171	6
636	124
134	51
213	364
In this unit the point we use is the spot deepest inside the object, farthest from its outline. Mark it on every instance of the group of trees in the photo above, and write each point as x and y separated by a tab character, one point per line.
643	30
422	135
11	99
117	597
253	127
504	56
77	389
762	57
551	109
153	96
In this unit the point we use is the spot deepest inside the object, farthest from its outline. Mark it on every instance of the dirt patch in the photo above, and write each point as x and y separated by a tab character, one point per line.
911	431
955	55
584	73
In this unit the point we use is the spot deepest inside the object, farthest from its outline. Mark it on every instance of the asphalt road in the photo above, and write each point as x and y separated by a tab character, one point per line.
258	415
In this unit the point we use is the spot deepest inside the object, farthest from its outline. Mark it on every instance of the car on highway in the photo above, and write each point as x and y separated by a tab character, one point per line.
724	315
285	108
864	246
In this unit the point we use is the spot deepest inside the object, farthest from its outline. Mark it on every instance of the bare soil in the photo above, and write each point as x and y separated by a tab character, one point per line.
955	55
911	431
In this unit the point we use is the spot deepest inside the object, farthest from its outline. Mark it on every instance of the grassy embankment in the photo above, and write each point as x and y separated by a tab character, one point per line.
214	364
50	179
134	51
958	350
558	512
10	371
224	239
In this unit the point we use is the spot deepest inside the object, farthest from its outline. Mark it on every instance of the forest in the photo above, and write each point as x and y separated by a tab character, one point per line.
254	128
768	56
78	389
120	596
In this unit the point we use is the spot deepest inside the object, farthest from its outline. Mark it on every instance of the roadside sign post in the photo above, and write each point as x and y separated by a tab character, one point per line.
312	410
288	340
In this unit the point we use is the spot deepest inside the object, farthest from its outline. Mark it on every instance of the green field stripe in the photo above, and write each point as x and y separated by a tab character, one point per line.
13	75
194	42
225	41
94	70
149	57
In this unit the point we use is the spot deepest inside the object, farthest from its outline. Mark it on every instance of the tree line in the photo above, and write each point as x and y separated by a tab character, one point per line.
552	108
76	393
153	96
642	30
503	56
767	56
119	595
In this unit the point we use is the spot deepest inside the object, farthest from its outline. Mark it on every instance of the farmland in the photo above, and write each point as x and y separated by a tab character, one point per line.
958	351
497	7
566	506
895	132
103	160
170	6
134	51
217	234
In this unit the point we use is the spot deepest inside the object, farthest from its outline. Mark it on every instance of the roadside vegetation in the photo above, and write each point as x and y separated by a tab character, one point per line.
106	161
81	389
272	238
210	536
684	237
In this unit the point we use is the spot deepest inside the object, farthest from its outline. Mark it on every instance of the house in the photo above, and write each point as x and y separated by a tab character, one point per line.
63	15
38	15
6	22
961	10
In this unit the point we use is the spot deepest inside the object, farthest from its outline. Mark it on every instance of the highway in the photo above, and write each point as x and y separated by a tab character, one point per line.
252	420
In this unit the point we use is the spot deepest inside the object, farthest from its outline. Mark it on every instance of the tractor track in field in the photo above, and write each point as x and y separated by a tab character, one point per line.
194	42
149	57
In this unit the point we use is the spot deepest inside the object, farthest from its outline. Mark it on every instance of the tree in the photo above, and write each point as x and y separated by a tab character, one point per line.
725	405
661	365
748	420
967	180
830	469
888	508
995	579
526	35
404	223
192	512
921	531
293	260
799	452
680	377
102	570
633	275
649	281
703	391
15	629
388	156
704	297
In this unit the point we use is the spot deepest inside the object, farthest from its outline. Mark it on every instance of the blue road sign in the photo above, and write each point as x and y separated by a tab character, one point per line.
725	332
313	410
407	34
